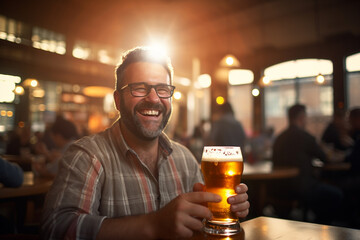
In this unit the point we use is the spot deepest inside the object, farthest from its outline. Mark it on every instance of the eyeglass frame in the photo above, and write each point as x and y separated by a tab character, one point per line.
149	87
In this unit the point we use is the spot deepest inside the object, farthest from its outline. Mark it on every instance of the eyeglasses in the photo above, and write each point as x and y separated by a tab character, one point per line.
142	89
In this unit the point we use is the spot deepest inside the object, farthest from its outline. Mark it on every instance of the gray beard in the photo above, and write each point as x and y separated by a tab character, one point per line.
132	122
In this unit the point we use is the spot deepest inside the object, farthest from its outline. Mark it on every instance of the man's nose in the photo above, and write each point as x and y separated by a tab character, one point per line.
152	96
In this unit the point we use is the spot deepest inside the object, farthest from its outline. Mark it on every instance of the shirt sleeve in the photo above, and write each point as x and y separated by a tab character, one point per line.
71	206
11	175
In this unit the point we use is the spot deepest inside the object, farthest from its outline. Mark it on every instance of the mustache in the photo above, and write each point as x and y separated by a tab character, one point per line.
148	105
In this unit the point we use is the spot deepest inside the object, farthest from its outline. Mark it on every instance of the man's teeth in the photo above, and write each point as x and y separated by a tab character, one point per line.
150	112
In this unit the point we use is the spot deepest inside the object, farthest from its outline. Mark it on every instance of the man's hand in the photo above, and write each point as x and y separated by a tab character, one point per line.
239	203
183	215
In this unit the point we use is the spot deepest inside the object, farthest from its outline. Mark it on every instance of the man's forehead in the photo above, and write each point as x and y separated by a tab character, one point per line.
146	69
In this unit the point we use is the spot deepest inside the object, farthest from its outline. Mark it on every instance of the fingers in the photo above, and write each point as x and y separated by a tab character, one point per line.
199	187
239	198
239	207
242	214
239	203
241	188
201	197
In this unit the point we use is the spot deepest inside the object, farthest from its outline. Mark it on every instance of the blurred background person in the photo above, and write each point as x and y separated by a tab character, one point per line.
295	147
226	130
198	139
335	138
354	121
354	156
11	175
261	145
63	133
19	142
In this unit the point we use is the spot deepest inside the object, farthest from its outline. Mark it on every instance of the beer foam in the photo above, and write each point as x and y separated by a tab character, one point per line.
222	154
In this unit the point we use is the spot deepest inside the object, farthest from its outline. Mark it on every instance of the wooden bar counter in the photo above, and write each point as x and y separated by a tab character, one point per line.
266	228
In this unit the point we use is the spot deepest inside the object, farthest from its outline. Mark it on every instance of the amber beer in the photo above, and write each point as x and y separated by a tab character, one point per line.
222	168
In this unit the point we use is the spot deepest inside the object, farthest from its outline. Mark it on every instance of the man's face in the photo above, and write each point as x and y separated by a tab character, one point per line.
147	116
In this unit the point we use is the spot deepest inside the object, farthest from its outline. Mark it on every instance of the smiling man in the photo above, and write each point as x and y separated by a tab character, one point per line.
131	181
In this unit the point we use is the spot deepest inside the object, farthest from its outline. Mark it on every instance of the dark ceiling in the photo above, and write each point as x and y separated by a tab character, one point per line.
207	29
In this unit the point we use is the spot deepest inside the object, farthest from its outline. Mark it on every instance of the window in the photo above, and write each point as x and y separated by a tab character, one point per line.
353	80
295	82
240	96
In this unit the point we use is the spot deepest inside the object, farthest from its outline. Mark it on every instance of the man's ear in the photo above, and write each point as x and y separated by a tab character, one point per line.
117	99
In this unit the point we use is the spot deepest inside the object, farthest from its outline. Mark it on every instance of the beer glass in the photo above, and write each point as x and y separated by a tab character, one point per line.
222	168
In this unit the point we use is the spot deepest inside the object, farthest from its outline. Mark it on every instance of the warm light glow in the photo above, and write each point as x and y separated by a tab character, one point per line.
21	124
71	97
255	92
9	113
266	80
109	105
299	68
3	113
34	83
204	81
230	173
42	107
353	63
19	90
97	91
240	76
7	87
320	78
30	82
3	35
230	61
220	100
183	81
82	53
158	49
104	56
76	88
79	99
177	95
38	93
61	49
11	78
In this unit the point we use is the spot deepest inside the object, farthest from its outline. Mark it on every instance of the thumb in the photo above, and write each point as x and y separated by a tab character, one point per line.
199	187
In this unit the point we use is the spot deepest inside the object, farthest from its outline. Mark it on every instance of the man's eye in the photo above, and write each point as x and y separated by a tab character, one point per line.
163	89
139	89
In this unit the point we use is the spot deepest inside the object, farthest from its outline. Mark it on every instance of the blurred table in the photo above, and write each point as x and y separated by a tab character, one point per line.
265	171
23	161
31	186
339	166
266	228
25	202
258	176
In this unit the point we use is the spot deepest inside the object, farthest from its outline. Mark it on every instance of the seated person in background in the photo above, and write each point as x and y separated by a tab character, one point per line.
297	148
11	175
261	145
354	154
335	139
227	130
354	121
63	133
131	181
19	142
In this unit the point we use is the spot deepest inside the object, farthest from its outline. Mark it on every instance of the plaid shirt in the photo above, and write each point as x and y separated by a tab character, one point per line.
100	176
